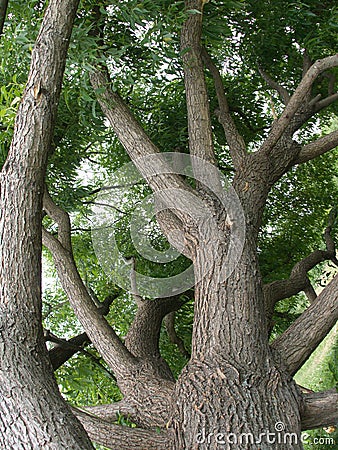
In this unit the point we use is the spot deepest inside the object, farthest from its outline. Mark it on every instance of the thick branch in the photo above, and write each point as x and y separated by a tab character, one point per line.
99	331
122	437
61	218
283	93
296	100
318	147
131	135
199	124
179	197
111	412
59	354
143	336
298	280
235	141
298	342
320	409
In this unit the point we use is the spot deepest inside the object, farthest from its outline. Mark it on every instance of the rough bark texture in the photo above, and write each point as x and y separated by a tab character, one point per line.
236	388
235	382
320	409
32	412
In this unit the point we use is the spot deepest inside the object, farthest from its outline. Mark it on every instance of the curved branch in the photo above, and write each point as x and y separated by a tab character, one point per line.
298	342
122	437
296	101
298	280
143	336
283	93
318	147
99	331
169	321
320	409
235	141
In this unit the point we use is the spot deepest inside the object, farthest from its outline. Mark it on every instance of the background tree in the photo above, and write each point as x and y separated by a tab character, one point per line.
236	84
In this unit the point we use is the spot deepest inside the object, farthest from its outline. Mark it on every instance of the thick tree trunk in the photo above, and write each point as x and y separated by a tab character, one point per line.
233	392
32	413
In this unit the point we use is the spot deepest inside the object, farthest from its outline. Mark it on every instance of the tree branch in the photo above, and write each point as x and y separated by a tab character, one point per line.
60	217
111	412
97	328
318	147
131	135
199	123
320	409
326	102
307	62
143	336
235	141
296	100
283	93
180	198
122	437
298	342
169	321
298	280
61	353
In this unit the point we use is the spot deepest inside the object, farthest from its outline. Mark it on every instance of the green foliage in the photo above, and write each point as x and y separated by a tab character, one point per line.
139	40
83	382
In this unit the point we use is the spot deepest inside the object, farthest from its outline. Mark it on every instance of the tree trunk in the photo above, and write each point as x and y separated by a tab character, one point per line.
32	413
234	393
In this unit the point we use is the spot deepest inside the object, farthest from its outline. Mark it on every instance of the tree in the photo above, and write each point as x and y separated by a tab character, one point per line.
237	388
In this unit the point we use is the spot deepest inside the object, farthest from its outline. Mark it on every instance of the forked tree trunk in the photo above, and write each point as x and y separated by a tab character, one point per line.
234	392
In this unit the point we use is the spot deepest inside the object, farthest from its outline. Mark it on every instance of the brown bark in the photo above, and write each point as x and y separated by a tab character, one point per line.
32	412
235	141
62	352
122	437
233	372
199	125
298	342
320	409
